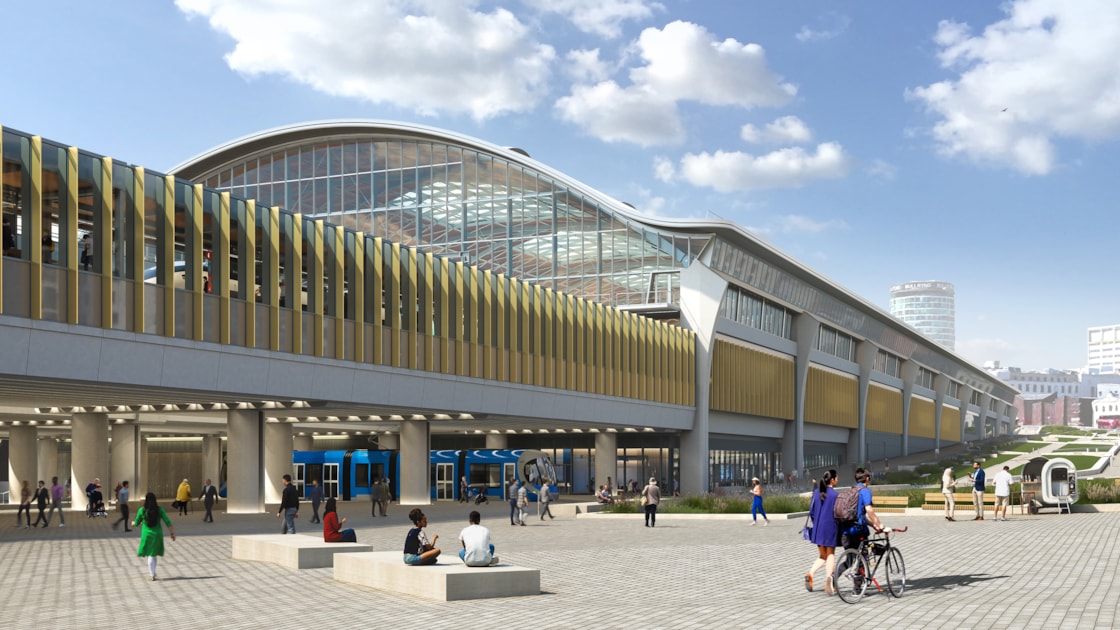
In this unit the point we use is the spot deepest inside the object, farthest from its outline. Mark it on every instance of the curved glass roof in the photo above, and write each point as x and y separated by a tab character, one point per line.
492	207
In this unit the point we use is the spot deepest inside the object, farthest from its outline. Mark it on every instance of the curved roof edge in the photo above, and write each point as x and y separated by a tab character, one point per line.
260	141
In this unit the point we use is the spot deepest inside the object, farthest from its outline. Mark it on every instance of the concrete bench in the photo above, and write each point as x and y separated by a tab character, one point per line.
449	580
294	551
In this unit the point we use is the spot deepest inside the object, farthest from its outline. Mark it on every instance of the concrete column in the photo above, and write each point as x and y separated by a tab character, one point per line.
211	459
701	293
941	386
606	458
277	459
47	448
143	486
415	487
806	330
965	393
496	440
23	456
243	485
124	456
89	456
865	356
303	442
909	373
388	441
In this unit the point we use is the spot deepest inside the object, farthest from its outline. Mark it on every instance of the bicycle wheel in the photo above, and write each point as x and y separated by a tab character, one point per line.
896	572
851	576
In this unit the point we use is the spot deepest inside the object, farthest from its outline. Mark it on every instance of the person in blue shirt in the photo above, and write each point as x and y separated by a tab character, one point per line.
856	531
978	480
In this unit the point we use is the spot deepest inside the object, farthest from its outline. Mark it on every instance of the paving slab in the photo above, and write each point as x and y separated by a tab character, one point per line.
1034	571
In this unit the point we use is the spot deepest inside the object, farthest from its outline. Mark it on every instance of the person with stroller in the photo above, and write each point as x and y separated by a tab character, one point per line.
151	533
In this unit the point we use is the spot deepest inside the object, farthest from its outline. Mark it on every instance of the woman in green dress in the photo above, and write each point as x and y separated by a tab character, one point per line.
151	534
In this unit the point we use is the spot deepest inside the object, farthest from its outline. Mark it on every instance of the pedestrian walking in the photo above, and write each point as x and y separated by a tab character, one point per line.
24	505
825	532
464	489
316	496
209	497
651	497
42	496
756	504
379	494
544	498
149	518
522	504
56	502
122	505
289	506
948	487
183	497
1002	481
511	496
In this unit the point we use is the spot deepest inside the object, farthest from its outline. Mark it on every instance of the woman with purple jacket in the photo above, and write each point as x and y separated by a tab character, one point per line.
826	532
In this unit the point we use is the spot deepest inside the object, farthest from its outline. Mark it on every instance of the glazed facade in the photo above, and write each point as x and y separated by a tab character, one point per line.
486	206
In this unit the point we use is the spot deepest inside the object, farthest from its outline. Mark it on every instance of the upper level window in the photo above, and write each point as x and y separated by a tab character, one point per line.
744	307
888	363
836	343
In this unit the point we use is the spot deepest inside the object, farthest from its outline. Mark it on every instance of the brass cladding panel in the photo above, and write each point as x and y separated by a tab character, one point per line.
884	410
922	420
747	381
950	424
456	319
831	399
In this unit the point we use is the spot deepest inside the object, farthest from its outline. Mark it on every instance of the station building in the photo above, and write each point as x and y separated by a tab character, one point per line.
776	367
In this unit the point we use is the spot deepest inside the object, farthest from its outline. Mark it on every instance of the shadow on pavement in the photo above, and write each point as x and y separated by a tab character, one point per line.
946	582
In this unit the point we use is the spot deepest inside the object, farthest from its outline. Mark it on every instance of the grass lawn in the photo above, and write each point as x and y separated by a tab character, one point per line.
1085	447
1026	447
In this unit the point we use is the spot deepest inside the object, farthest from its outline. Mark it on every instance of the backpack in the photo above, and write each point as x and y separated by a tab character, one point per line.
847	505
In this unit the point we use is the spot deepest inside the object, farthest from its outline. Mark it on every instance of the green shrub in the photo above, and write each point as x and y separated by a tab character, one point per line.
1098	491
623	507
1058	429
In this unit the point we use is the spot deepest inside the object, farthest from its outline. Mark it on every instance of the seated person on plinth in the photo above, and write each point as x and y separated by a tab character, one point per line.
332	525
477	550
417	548
604	495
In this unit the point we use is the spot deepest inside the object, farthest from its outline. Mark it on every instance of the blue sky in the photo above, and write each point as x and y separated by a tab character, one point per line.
877	142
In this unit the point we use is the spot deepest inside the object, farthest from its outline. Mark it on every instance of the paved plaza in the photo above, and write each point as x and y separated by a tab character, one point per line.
1035	571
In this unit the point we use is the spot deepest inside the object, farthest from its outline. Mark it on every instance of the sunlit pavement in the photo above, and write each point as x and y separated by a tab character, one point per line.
1034	571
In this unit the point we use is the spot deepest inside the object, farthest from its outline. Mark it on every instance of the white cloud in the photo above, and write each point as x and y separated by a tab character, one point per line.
880	169
664	169
785	130
1049	71
685	62
601	17
585	66
682	62
616	114
797	224
830	24
728	171
428	56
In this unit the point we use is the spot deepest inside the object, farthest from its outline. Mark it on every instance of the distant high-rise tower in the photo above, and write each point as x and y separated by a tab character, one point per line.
930	307
1104	349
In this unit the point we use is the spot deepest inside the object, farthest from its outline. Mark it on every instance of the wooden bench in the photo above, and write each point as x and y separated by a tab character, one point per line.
294	551
890	504
934	501
450	580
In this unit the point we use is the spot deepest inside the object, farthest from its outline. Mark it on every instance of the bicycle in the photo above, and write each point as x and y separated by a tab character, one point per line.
856	568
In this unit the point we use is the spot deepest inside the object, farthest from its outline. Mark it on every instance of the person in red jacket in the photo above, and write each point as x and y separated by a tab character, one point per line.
332	525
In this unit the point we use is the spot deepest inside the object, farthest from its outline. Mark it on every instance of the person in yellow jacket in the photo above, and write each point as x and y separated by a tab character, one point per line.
183	496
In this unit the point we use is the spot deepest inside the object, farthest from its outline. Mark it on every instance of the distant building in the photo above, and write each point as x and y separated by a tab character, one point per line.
929	307
1058	396
1104	349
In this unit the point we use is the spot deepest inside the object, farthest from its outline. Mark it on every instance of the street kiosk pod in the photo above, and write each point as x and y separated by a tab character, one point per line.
1050	483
